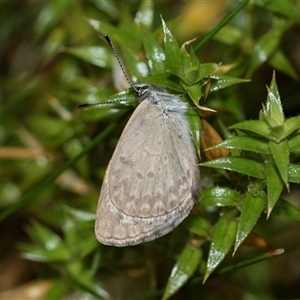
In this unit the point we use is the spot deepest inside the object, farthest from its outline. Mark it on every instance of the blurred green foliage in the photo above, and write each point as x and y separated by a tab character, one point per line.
54	155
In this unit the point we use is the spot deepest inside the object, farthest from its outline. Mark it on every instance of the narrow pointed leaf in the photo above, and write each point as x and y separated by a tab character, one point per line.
195	127
131	28
285	8
44	236
49	247
109	7
80	215
286	209
280	62
242	165
257	126
253	206
291	125
58	255
184	268
222	241
57	290
294	142
84	278
294	173
172	51
191	67
114	32
206	69
273	105
194	92
274	185
98	56
138	69
280	153
145	14
164	80
264	48
221	81
49	16
275	127
197	225
154	53
248	143
220	196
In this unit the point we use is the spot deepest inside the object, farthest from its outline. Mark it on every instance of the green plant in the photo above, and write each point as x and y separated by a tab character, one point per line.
239	190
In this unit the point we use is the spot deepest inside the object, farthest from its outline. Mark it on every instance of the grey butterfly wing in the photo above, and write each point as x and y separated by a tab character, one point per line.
110	230
151	181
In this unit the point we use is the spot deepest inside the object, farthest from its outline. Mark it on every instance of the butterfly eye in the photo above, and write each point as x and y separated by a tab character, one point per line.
142	89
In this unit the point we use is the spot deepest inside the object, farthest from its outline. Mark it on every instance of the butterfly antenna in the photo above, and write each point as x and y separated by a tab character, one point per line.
119	61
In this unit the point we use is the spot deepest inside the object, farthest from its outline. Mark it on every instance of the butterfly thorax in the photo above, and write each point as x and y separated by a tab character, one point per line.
159	96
